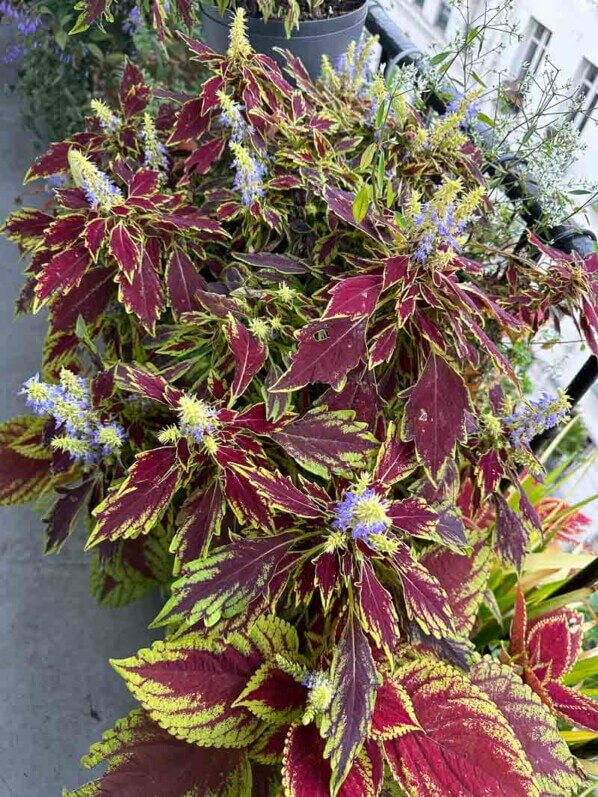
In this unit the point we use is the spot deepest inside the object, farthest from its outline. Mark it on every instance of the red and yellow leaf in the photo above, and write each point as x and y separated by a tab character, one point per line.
466	745
136	505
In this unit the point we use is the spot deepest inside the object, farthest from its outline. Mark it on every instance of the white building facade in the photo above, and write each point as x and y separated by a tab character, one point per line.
564	30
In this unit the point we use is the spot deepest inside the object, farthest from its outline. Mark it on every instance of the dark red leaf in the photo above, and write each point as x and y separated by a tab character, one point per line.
425	599
136	505
463	577
435	413
94	235
190	122
328	349
146	384
280	492
126	250
88	299
143	296
511	536
249	354
413	516
354	297
395	460
378	613
203	158
227	581
354	682
203	516
63	272
133	93
326	442
61	518
465	747
183	281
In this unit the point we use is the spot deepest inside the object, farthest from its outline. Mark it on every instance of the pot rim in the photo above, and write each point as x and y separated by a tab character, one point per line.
256	24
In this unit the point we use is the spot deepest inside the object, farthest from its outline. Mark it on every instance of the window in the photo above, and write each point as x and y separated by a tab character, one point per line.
444	13
535	48
588	91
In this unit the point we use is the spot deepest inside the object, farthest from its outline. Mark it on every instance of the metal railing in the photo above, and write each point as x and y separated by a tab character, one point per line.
568	238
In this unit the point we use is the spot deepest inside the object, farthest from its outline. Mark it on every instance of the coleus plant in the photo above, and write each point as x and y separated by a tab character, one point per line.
273	382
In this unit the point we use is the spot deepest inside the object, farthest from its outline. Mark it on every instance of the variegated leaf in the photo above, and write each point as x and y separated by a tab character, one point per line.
463	577
354	682
226	582
137	504
326	442
189	686
554	767
425	599
465	747
144	760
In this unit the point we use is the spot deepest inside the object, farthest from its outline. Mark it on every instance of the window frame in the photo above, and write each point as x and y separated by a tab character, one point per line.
589	90
536	46
444	9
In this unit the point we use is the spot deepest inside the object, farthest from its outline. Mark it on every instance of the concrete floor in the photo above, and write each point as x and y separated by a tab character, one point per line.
57	691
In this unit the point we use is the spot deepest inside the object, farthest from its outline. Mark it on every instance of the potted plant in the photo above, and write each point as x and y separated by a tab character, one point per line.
308	30
275	382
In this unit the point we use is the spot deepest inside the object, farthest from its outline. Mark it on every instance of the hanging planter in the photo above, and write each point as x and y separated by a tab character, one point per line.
309	41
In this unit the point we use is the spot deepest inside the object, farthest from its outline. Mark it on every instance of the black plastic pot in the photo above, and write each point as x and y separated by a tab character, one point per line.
313	39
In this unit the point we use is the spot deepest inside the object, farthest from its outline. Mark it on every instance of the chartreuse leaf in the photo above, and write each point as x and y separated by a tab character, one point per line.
354	682
361	203
142	760
189	686
226	582
554	767
466	745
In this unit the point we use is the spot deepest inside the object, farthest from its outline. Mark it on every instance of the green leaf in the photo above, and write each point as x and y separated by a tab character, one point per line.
486	120
368	156
61	38
439	58
361	204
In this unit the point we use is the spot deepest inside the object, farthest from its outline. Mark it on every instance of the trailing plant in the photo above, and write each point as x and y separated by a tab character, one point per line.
273	382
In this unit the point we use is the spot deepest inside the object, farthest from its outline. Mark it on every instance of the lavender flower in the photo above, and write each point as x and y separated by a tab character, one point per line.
108	438
536	417
319	697
196	418
249	175
133	23
232	117
56	181
155	156
109	121
364	513
99	189
440	229
80	432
